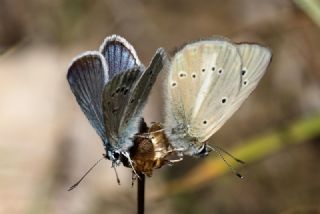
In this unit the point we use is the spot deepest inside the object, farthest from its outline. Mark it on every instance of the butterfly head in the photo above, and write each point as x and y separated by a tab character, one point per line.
113	156
183	137
203	151
196	148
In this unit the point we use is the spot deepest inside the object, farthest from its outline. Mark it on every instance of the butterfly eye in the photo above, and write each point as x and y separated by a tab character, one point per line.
213	68
194	76
203	70
220	71
174	84
204	122
243	72
245	82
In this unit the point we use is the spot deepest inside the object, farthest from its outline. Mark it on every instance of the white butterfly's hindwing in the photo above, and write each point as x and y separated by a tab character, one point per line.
255	60
206	85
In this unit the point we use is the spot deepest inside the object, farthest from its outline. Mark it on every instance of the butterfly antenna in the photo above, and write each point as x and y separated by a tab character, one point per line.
146	136
226	162
227	153
141	136
160	130
130	162
85	174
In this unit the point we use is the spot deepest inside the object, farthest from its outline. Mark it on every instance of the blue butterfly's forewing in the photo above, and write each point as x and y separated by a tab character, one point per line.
115	98
87	76
123	101
142	89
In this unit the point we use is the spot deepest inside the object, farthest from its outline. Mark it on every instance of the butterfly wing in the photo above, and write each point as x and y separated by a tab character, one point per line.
116	95
142	90
212	89
87	76
255	60
119	54
125	124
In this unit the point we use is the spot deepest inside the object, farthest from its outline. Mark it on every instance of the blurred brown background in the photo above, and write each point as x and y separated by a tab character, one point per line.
46	143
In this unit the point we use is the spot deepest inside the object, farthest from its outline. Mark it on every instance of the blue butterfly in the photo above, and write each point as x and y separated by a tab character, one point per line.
112	86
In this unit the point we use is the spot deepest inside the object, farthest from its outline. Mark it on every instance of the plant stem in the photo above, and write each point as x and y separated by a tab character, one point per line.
141	187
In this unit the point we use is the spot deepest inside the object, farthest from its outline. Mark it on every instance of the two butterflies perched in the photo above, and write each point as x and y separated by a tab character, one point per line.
206	83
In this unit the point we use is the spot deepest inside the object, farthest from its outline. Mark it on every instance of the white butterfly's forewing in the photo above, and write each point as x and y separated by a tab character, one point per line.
206	85
199	79
218	90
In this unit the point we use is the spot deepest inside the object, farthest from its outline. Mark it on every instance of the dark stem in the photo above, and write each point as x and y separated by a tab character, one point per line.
141	185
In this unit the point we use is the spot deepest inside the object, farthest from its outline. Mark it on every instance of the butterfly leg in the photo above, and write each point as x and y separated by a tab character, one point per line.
115	163
126	154
133	178
115	170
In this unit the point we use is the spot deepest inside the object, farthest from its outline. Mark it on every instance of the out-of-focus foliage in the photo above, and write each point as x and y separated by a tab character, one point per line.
46	144
252	151
311	8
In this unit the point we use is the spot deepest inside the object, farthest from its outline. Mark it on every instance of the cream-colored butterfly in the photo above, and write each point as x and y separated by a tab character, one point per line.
207	82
